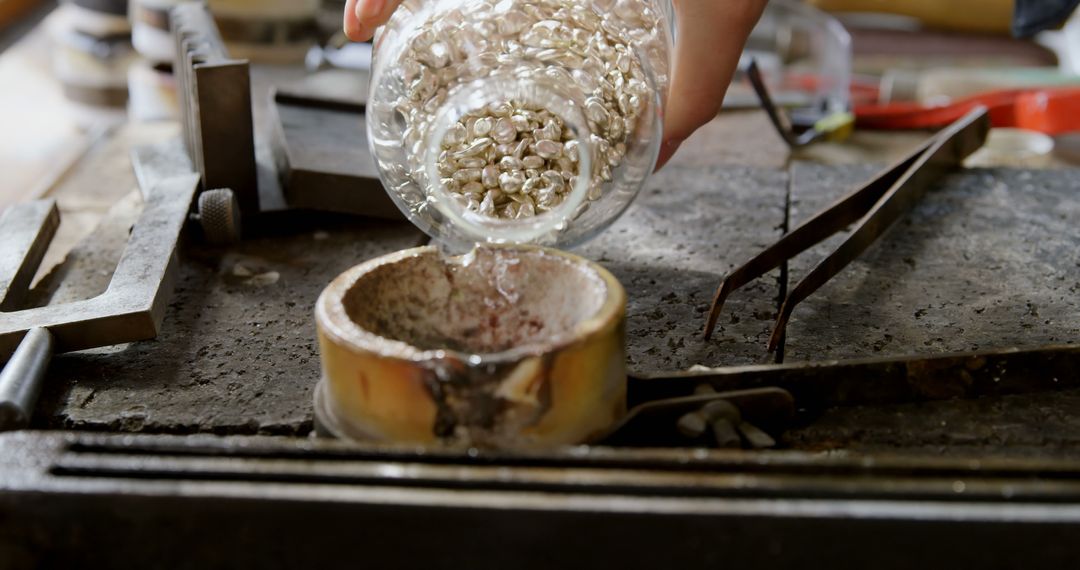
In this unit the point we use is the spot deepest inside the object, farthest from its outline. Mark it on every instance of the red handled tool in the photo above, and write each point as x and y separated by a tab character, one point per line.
1052	111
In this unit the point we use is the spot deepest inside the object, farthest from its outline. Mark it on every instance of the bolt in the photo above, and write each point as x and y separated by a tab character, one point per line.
725	435
723	416
721	409
703	389
692	425
755	436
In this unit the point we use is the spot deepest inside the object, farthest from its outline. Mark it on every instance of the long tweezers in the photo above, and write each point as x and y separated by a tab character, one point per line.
875	206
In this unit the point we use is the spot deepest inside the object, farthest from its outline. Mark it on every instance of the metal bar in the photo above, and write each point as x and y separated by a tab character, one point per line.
25	233
817	386
948	151
21	379
226	127
220	502
774	483
603	471
156	162
594	457
133	306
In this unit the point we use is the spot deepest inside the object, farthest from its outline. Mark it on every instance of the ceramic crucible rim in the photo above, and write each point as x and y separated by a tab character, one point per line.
335	322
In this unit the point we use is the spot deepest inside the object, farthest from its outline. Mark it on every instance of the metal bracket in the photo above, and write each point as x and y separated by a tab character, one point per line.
133	305
27	230
131	309
215	106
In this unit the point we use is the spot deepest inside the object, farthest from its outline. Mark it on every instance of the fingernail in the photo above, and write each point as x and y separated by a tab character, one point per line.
369	9
667	149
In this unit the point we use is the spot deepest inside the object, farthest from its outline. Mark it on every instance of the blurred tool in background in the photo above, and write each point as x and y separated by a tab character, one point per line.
829	64
803	57
91	53
919	64
976	16
104	49
267	31
151	81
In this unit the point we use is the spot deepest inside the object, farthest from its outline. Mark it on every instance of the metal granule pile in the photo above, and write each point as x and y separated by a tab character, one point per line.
512	160
509	160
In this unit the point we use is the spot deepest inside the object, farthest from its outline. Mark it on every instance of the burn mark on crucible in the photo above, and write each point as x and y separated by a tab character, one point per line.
445	419
469	404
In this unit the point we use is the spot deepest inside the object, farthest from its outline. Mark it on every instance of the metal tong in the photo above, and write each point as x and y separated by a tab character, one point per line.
875	207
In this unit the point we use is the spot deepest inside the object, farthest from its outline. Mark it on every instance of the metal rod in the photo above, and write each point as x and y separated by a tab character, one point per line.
22	377
820	385
777	116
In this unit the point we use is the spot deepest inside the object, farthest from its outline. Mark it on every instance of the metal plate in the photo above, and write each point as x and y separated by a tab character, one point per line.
321	149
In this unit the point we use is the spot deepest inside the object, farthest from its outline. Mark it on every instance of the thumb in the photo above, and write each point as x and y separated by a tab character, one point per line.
363	16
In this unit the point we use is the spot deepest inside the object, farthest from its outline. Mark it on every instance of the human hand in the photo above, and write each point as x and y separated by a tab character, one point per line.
710	38
708	43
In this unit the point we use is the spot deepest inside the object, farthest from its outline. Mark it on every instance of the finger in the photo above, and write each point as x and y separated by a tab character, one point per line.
363	16
710	38
352	24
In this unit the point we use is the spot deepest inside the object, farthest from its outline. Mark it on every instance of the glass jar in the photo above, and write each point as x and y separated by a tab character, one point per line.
518	121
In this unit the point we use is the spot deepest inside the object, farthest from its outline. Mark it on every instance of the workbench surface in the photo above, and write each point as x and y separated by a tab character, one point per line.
990	259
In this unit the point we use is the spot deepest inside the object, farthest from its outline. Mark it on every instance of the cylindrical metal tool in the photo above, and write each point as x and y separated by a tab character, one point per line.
21	379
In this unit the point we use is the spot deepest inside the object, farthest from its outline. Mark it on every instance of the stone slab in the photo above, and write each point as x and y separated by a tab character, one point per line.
989	259
237	351
685	231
